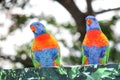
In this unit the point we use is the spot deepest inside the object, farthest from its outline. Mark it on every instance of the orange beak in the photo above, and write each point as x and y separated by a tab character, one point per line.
89	22
32	28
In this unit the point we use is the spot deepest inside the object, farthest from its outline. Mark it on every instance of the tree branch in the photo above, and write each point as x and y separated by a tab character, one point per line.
114	9
70	7
76	14
89	7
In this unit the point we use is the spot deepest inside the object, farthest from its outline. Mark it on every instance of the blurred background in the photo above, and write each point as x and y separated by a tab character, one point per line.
65	19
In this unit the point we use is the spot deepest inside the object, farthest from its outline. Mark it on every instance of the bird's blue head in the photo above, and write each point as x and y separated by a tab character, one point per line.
37	28
92	23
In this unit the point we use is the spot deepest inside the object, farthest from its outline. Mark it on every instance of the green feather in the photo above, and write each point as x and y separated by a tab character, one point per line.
84	57
58	58
35	62
104	60
107	53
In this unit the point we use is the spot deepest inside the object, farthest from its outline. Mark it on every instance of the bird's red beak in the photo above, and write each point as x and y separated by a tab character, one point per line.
89	22
32	28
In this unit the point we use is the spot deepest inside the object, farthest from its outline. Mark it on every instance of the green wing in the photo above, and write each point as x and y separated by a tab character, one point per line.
34	61
104	60
57	60
84	58
107	53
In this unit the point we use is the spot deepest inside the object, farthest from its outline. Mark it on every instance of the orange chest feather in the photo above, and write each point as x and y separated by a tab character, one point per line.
95	38
44	41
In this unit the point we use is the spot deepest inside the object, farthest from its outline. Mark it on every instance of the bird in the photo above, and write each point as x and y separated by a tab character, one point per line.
45	50
95	45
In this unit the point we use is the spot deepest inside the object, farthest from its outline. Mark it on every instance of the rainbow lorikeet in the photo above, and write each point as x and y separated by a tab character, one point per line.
95	46
45	49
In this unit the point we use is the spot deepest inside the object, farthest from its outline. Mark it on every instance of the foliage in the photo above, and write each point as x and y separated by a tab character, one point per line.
90	72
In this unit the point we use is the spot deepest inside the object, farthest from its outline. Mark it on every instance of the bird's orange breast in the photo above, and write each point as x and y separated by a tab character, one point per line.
44	41
95	38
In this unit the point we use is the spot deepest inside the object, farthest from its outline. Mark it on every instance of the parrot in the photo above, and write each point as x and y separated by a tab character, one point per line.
95	45
45	51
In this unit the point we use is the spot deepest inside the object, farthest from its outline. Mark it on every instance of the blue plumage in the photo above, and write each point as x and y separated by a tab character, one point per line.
94	53
46	57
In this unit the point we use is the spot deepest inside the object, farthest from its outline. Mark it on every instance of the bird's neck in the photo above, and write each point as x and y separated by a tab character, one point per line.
42	36
38	34
94	31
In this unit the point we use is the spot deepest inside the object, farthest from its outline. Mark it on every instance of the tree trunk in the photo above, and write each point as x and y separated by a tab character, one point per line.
78	16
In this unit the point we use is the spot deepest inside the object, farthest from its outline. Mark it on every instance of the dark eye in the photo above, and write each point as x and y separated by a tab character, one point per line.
94	19
37	24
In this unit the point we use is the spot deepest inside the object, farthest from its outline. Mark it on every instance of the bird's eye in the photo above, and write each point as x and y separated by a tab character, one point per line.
94	19
37	24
